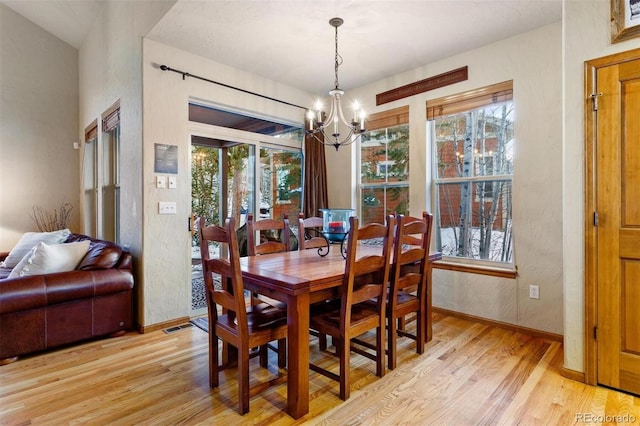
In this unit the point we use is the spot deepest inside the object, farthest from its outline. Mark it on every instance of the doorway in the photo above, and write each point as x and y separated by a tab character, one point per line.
240	164
612	228
222	185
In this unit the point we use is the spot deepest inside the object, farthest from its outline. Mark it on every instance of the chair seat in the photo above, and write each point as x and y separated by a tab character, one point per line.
271	302
260	316
360	313
320	308
407	299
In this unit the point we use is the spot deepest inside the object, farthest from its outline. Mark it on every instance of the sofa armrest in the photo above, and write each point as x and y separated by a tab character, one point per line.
126	261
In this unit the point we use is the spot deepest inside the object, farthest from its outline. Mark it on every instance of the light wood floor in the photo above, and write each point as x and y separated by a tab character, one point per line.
470	374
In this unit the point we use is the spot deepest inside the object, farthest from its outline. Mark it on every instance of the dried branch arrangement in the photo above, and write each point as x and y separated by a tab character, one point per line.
48	221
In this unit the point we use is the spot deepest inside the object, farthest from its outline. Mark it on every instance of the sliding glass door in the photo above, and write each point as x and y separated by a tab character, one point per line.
240	165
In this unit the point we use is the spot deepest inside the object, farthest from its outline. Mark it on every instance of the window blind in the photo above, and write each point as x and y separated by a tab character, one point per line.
467	101
91	133
111	120
390	118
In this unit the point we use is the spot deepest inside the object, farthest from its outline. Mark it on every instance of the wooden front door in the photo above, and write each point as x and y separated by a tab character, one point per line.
616	152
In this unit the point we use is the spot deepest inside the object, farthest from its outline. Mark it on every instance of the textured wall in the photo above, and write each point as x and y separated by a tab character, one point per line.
38	125
167	241
110	72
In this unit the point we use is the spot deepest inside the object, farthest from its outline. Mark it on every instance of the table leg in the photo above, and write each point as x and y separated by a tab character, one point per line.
428	312
298	355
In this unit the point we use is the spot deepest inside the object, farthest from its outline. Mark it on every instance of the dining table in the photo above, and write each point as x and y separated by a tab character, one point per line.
300	278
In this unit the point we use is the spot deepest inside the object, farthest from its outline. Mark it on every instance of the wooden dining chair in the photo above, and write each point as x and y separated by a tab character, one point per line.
274	235
408	285
310	233
365	278
244	327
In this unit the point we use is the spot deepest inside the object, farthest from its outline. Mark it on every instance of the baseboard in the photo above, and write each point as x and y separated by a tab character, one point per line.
567	373
512	327
162	325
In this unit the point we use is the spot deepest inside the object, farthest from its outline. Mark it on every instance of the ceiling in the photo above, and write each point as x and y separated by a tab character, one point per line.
291	41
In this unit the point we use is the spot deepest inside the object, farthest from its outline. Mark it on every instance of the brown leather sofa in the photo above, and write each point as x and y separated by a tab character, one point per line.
45	311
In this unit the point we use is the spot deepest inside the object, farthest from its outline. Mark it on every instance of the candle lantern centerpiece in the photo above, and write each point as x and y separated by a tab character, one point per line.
335	223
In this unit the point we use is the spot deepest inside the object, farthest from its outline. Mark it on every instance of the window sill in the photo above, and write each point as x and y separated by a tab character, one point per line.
475	269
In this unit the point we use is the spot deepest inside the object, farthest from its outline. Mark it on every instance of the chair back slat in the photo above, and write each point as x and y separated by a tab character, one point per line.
269	246
411	255
366	292
310	232
414	230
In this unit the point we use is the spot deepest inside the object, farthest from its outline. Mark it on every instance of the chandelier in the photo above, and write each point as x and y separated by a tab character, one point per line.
319	123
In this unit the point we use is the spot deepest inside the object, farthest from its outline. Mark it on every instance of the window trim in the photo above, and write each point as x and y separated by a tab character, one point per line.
483	97
448	264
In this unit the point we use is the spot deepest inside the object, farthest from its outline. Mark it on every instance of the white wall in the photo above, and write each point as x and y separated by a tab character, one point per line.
111	71
167	241
38	125
534	62
586	36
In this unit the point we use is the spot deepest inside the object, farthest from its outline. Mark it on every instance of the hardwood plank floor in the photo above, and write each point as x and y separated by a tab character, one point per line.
470	374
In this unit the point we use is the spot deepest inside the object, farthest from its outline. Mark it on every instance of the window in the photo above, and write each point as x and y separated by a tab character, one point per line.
259	167
90	179
281	183
384	166
473	144
110	218
101	177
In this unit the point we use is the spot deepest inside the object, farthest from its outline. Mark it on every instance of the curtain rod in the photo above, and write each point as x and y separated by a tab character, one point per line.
186	74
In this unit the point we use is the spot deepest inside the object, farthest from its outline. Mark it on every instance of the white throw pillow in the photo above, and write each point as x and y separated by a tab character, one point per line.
15	272
49	259
28	241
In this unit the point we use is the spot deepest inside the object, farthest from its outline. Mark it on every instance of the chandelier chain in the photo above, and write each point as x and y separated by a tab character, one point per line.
338	61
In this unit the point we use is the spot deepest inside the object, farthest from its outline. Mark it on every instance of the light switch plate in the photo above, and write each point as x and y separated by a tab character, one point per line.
167	207
172	182
161	182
